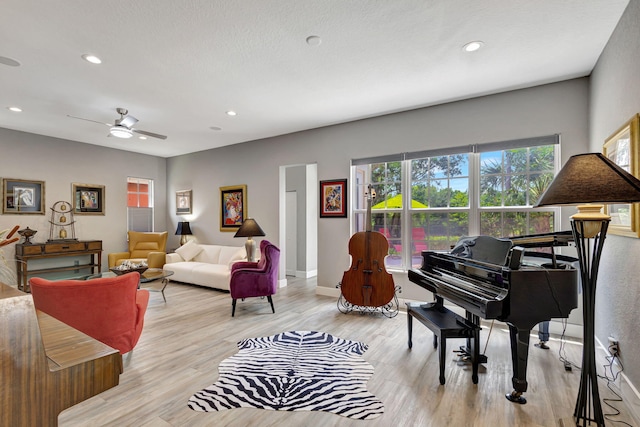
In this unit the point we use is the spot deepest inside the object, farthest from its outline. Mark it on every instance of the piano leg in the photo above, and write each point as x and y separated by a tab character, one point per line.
519	355
410	330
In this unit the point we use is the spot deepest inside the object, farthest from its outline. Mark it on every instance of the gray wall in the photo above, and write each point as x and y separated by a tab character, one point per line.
58	163
555	108
615	98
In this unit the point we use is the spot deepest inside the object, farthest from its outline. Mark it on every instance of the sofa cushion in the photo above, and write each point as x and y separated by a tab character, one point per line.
189	250
209	254
229	255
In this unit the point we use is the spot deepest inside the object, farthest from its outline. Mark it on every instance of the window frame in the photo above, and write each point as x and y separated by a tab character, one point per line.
474	210
134	212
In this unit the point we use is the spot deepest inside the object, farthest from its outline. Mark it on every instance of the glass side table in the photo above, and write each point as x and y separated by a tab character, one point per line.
151	275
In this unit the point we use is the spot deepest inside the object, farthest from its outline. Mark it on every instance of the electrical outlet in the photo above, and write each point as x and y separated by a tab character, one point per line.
614	347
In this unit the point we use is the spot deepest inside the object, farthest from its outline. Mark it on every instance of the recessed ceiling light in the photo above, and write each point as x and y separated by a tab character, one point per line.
15	109
231	113
314	40
142	137
91	58
472	46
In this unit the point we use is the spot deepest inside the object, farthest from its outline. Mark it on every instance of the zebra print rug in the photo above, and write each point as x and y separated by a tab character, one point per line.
294	371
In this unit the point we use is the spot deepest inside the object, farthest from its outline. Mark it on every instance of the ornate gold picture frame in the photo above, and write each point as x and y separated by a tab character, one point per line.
233	207
622	148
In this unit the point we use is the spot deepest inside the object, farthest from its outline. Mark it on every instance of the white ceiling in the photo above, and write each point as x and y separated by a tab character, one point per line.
179	65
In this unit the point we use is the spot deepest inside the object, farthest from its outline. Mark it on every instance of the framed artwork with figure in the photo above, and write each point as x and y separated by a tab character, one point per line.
622	147
88	199
233	207
333	198
183	202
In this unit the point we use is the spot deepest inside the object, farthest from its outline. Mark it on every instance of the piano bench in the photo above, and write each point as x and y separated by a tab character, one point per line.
444	324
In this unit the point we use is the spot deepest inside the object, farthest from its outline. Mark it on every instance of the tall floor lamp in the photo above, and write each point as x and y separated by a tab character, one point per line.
589	178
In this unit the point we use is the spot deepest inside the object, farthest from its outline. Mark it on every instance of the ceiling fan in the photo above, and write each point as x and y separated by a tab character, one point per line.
122	127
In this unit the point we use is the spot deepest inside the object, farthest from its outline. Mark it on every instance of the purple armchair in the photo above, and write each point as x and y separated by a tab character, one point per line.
256	279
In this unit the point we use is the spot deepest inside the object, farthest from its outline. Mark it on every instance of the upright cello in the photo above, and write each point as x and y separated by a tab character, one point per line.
367	283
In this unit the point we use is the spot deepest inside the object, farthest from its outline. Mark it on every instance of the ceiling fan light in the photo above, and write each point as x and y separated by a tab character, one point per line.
120	132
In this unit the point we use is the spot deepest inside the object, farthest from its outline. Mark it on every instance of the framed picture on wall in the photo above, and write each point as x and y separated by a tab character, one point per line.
333	198
21	196
622	148
183	202
233	207
88	199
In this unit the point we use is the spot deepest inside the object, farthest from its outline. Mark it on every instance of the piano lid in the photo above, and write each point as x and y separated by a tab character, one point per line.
483	248
558	238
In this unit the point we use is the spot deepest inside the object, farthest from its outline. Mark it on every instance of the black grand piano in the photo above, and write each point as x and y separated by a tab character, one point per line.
505	279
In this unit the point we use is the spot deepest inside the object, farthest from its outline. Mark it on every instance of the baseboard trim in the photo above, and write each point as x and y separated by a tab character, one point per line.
630	397
306	274
556	327
327	292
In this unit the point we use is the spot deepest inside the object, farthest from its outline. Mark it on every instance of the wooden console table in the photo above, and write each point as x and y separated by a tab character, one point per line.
31	251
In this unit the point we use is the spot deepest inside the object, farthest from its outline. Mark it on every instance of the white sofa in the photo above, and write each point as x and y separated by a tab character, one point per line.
204	265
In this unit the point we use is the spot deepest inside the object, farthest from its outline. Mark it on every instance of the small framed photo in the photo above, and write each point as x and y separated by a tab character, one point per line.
183	202
20	196
88	199
233	207
333	198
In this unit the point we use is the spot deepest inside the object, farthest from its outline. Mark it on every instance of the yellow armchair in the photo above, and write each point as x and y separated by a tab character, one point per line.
149	247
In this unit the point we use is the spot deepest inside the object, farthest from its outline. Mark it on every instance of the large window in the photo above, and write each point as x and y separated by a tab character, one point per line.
428	200
139	204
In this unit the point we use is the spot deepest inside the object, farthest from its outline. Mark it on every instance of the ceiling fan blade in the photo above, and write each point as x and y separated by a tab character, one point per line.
128	121
89	120
151	134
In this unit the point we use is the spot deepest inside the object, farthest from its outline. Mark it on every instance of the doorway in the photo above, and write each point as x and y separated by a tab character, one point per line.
298	221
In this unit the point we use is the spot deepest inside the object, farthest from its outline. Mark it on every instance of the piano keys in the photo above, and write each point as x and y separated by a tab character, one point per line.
47	366
493	279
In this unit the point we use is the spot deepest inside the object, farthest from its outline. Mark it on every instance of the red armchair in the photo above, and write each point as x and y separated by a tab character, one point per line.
110	309
256	279
392	242
419	239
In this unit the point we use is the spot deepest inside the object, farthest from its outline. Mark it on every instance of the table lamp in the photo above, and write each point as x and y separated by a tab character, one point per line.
589	178
248	229
183	230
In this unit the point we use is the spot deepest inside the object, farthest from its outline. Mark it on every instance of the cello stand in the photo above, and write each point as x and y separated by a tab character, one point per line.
388	310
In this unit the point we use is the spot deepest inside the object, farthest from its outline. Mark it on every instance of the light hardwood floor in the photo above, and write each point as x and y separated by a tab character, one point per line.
185	339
